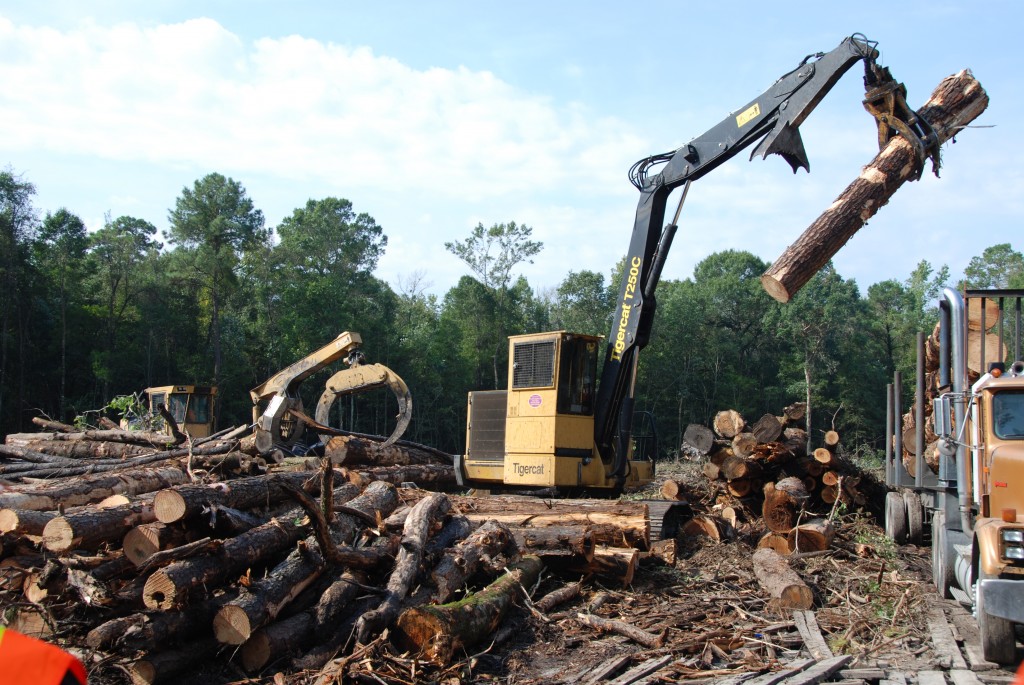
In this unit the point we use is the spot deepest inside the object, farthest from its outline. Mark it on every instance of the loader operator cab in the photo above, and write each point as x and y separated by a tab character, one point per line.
192	407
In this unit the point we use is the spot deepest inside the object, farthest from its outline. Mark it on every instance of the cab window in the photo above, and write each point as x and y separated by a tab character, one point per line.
177	405
199	409
1008	414
577	377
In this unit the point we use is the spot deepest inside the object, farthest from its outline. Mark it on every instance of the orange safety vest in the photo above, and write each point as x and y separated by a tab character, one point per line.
27	661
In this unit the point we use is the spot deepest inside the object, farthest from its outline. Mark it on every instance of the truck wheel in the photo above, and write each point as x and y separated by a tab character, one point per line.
915	517
997	638
896	518
942	572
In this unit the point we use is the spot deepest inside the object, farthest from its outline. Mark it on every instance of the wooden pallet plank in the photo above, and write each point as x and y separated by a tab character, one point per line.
931	678
807	625
776	677
960	676
642	670
820	671
947	653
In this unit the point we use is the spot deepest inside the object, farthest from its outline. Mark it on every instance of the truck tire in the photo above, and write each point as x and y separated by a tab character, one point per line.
942	568
896	518
998	641
915	517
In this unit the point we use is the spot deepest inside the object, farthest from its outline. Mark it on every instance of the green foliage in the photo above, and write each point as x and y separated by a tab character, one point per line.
108	313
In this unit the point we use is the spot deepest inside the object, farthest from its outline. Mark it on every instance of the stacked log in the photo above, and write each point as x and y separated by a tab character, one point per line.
163	561
763	472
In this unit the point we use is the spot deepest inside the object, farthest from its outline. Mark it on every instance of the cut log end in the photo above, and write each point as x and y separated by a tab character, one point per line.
169	506
231	625
159	592
58	535
774	287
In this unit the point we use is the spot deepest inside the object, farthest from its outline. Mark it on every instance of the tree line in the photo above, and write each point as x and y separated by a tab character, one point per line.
86	317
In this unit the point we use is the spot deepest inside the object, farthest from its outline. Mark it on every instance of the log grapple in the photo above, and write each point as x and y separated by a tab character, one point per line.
282	421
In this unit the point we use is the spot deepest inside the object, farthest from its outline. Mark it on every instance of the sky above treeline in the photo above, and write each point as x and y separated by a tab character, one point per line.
433	117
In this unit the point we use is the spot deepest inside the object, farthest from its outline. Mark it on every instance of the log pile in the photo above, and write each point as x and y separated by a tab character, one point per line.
981	345
176	557
763	476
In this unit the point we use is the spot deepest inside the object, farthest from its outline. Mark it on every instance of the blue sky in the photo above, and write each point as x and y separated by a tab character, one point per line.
432	117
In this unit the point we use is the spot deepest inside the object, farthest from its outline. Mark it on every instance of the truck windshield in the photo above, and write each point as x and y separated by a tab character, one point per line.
1008	414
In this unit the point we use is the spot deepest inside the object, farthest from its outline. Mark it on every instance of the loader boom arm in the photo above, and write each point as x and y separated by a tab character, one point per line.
772	120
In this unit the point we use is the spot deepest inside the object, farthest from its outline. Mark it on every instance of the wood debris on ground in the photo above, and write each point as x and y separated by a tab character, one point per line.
208	563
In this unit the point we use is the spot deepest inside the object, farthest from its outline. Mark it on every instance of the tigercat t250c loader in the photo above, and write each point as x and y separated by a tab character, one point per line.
556	426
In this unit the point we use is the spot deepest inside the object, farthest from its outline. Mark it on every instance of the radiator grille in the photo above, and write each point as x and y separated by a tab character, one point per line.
534	365
487	425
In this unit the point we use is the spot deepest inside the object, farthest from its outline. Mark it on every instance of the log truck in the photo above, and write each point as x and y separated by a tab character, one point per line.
973	505
555	425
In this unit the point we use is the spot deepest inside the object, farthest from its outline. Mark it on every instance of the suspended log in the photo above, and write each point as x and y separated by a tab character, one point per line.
728	423
768	428
781	582
438	632
701	438
958	100
813	536
414	536
186	501
350	450
88	489
463	560
782	504
91	528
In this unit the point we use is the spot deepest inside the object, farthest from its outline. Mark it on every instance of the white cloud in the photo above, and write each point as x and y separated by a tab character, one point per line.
298	108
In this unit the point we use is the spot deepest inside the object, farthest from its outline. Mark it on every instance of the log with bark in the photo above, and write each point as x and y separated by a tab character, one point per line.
179	503
464	559
781	582
814	536
955	103
421	519
437	632
728	423
701	438
350	450
92	527
88	489
783	502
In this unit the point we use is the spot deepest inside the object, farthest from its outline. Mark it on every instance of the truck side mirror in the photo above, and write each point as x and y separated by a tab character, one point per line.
941	416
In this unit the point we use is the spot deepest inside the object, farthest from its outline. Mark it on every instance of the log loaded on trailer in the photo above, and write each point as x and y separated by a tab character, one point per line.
556	426
968	481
